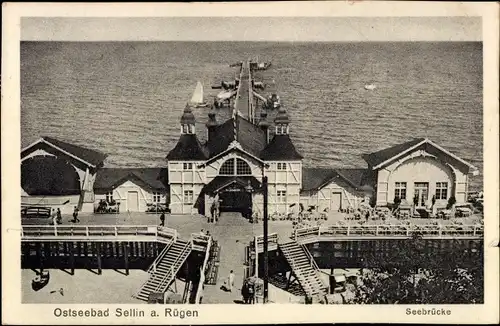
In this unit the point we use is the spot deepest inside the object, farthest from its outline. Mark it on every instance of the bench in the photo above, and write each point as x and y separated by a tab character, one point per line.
28	211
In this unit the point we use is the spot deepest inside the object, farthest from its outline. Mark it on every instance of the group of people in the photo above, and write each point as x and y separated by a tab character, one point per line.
56	216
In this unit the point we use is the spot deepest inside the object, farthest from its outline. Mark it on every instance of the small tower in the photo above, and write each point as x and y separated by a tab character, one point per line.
282	121
211	124
188	122
264	124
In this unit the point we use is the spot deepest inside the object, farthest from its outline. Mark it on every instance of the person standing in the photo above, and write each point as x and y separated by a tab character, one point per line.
58	216
231	281
162	219
75	215
53	217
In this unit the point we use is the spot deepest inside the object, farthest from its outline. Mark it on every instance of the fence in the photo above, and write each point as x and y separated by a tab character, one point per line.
390	230
66	232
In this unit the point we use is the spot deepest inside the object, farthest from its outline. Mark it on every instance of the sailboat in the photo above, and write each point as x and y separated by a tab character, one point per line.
197	98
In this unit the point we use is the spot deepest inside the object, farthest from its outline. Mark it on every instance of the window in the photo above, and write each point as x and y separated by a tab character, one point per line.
400	190
156	197
441	190
227	168
281	196
242	167
187	166
188	196
188	129
282	166
109	197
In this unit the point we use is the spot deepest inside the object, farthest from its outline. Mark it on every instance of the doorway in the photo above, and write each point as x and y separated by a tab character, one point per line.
421	193
235	200
133	201
336	201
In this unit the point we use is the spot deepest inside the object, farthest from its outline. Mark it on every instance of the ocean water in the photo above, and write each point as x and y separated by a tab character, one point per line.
126	98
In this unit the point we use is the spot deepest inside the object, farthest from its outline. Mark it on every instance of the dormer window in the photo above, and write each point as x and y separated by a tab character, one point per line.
281	129
188	129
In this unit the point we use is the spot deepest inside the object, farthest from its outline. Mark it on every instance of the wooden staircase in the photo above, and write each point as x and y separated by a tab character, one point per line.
165	268
304	269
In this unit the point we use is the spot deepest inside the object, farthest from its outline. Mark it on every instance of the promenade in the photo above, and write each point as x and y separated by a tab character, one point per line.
232	231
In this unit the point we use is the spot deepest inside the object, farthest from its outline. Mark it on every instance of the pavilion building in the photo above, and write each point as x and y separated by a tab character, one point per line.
230	167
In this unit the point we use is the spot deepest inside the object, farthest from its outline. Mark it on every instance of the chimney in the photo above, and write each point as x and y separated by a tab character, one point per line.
211	124
264	125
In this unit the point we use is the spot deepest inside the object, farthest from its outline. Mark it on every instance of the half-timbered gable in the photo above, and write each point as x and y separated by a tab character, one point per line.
417	171
58	174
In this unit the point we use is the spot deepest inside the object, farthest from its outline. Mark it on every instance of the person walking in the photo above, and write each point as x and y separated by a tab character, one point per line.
75	215
162	219
230	281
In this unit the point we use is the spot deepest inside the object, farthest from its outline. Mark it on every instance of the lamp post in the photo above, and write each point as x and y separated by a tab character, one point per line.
266	238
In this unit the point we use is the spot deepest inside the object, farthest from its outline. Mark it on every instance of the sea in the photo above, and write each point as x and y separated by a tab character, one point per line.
126	98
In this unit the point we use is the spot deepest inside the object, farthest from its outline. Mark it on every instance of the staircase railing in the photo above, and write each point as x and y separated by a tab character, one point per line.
199	289
297	271
310	258
159	258
174	266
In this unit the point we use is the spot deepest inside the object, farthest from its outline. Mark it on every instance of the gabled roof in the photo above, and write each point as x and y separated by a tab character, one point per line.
188	148
376	158
313	178
251	138
222	136
152	178
88	156
280	148
221	182
317	178
384	157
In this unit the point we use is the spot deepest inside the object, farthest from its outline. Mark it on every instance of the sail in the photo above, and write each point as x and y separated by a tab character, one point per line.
198	94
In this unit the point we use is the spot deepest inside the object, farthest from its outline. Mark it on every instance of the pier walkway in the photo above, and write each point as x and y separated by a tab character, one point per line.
244	103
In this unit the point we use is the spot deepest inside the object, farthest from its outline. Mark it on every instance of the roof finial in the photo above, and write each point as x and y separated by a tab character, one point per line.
263	123
282	116
212	121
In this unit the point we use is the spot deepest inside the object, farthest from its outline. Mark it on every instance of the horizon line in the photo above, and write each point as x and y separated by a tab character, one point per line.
265	41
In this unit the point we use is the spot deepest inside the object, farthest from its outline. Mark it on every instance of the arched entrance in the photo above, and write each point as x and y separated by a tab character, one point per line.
49	176
235	198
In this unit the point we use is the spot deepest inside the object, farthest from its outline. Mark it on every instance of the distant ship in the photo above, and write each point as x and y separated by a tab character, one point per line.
370	87
197	98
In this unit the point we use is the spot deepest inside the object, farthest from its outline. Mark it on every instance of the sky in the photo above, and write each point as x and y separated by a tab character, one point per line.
287	29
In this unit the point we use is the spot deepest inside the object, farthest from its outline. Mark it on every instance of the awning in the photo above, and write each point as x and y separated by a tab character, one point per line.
219	183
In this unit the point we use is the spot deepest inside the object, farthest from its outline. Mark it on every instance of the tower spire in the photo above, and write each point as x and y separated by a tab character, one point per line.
282	122
188	121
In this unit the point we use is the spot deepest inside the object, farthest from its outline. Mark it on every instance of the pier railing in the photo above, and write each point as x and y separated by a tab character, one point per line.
95	232
199	288
434	231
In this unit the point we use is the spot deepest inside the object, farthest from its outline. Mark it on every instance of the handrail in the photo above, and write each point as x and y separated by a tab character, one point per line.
310	258
160	256
202	273
33	231
298	273
392	229
169	275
